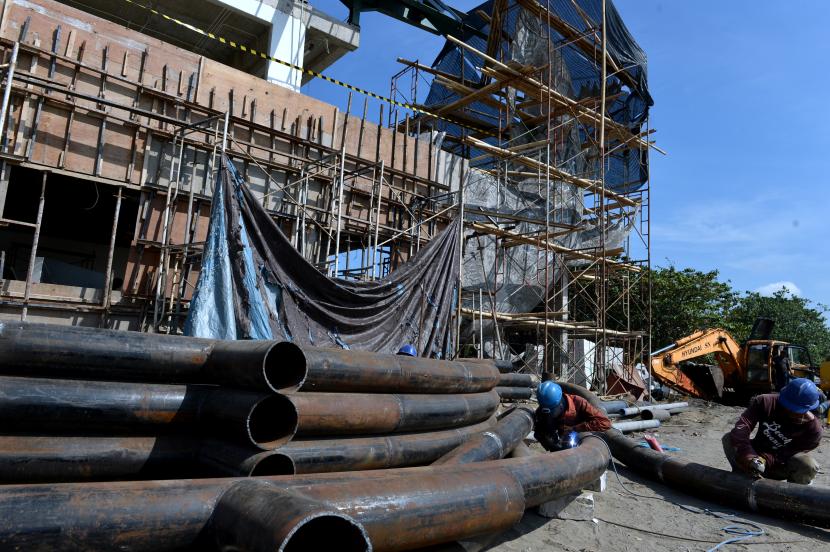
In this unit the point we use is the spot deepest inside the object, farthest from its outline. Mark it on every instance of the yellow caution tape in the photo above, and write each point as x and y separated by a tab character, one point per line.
263	55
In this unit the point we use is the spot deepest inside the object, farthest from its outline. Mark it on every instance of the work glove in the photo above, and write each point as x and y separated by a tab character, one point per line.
753	465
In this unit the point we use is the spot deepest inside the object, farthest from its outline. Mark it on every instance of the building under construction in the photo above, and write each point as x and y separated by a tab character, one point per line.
115	116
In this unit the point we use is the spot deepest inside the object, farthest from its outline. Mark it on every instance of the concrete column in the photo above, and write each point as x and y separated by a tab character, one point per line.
289	20
287	43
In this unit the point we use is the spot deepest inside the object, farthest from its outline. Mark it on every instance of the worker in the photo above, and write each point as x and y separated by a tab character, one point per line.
408	350
560	414
787	432
781	363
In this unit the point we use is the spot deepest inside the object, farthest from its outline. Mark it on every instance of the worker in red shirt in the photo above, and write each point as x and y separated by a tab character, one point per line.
559	415
787	432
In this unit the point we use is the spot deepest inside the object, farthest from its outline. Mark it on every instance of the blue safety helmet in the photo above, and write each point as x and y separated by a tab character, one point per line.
549	394
408	350
799	396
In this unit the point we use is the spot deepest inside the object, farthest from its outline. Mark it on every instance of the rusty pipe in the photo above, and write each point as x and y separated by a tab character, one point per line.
521	450
780	499
255	516
400	509
90	353
516	380
368	414
514	393
61	459
342	454
316	369
493	443
77	352
83	407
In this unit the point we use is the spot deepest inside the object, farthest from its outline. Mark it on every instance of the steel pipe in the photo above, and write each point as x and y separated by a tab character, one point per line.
315	369
345	454
84	407
400	509
368	414
516	380
494	443
255	516
521	450
91	353
514	393
636	425
790	501
76	352
60	459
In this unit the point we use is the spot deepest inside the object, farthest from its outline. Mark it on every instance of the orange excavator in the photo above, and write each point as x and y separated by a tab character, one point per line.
739	371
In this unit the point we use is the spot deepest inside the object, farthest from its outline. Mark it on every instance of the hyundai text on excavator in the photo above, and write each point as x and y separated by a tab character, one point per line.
740	371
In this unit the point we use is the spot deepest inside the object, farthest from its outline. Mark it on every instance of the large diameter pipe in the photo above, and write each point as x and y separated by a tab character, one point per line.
84	407
90	353
400	509
635	410
254	516
61	459
790	501
494	443
76	352
315	369
344	454
636	425
516	380
367	414
514	393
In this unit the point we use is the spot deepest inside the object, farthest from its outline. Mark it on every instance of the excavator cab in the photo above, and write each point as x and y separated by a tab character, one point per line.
759	366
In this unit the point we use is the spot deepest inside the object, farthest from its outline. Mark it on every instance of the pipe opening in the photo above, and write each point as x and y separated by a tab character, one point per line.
327	532
273	464
272	422
284	366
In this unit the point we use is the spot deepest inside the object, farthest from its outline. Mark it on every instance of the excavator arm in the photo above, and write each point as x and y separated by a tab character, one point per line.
700	380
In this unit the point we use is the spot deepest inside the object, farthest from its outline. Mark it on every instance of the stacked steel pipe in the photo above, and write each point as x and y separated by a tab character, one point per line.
80	405
148	405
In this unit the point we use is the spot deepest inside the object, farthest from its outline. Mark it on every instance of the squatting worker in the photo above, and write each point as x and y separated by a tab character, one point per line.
559	414
787	432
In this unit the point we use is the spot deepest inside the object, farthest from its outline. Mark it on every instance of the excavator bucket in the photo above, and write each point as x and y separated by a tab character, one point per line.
762	329
707	377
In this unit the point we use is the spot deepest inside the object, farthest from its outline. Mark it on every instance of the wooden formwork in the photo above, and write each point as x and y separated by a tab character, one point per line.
97	101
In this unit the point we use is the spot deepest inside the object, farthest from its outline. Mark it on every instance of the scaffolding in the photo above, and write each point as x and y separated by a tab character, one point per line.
583	307
555	257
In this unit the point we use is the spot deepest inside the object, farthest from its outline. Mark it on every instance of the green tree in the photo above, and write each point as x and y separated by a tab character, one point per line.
797	320
686	300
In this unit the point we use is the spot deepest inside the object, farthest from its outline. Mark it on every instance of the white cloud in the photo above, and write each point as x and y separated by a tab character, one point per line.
769	289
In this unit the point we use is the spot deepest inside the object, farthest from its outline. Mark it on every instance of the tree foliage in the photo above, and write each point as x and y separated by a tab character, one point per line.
797	320
686	300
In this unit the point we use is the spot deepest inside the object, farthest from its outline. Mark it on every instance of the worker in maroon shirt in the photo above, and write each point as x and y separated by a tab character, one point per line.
559	415
787	432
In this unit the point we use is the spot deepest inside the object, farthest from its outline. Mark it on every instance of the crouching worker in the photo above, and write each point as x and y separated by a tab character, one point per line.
787	431
559	415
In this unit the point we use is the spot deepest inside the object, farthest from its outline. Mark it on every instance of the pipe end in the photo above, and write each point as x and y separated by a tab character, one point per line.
284	366
272	422
327	531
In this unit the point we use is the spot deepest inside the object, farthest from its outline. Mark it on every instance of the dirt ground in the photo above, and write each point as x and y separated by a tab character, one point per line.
624	522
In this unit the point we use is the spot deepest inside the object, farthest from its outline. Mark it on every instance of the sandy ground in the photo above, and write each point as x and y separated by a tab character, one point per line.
624	522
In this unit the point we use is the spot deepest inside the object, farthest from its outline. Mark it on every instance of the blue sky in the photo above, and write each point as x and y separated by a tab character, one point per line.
740	91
